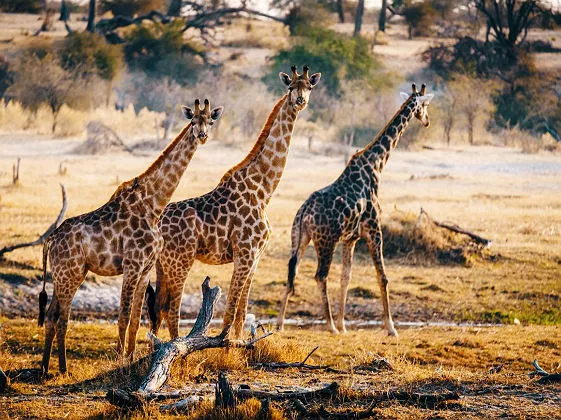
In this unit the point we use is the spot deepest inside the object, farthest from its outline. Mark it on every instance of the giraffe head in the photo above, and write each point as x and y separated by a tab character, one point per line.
201	119
299	86
419	102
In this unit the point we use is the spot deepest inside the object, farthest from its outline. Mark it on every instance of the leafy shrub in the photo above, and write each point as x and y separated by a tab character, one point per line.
6	75
338	57
42	81
419	18
130	8
160	51
91	54
20	6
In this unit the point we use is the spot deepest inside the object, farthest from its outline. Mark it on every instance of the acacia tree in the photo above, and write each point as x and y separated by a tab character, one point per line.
473	101
508	20
358	17
42	81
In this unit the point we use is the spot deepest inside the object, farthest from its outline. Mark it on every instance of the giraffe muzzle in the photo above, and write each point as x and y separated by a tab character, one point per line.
203	136
300	100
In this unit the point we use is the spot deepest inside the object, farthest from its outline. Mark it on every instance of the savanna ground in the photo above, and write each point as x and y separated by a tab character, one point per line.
505	300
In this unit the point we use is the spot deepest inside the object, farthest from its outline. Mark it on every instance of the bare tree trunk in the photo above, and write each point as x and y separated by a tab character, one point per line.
382	16
174	8
64	11
15	172
341	11
358	17
470	121
91	17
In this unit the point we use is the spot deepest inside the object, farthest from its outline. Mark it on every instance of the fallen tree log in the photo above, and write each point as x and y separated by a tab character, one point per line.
457	229
45	235
545	377
327	391
166	354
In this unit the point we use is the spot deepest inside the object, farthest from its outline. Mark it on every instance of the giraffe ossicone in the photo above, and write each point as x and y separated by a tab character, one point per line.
348	210
120	237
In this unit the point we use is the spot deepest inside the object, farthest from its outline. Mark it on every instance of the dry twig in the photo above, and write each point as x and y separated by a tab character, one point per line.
165	354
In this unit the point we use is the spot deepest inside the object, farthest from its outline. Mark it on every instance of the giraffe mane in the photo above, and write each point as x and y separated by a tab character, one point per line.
259	143
383	130
155	164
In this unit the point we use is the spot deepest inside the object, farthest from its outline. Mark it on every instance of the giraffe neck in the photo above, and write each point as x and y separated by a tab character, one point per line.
262	168
377	152
158	183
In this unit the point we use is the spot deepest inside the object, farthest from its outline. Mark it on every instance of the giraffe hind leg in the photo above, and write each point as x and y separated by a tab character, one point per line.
348	250
52	316
325	257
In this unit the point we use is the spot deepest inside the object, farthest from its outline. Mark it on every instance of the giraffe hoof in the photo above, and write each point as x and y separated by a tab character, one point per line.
333	330
392	332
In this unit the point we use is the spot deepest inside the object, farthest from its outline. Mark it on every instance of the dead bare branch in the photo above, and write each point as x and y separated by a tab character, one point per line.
224	394
167	353
545	377
3	381
327	391
45	235
457	229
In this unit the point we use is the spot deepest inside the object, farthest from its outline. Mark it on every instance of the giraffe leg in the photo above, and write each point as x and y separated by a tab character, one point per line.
61	328
243	269
375	245
325	256
175	283
241	310
296	256
348	250
132	271
136	312
50	331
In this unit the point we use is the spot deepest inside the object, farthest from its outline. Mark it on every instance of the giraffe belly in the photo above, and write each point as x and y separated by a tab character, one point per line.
215	256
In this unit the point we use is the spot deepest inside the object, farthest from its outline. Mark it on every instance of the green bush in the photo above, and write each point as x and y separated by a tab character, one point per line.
160	51
130	8
6	75
91	54
338	57
20	6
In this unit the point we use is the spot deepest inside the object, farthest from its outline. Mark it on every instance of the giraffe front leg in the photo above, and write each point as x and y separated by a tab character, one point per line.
348	250
131	276
375	245
241	310
243	267
136	313
325	256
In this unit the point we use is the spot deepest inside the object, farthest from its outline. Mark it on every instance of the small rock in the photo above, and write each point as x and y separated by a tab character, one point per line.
516	321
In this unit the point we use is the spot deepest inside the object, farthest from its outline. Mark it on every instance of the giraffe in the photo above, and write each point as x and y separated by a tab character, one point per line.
120	237
229	224
349	209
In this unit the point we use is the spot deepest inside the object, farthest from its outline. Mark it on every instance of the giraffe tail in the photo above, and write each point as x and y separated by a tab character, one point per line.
43	298
297	227
151	303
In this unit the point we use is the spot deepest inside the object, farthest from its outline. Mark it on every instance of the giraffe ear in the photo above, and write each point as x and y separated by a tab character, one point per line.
426	98
314	79
217	113
188	112
285	78
404	95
